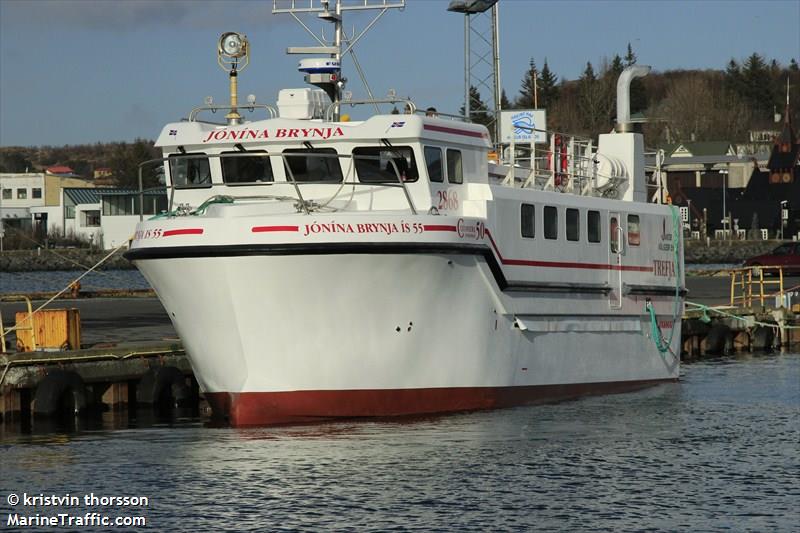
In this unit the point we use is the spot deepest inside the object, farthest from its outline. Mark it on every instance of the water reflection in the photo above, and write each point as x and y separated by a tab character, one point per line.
719	450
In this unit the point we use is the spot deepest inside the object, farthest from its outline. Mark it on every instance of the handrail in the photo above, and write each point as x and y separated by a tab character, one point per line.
291	181
331	109
271	111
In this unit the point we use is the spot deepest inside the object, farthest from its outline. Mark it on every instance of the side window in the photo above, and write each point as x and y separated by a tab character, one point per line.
593	226
314	165
633	230
376	164
573	224
433	160
528	221
246	168
613	232
189	171
455	170
550	222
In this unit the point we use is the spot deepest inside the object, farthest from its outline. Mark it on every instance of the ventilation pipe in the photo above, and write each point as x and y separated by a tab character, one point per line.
624	95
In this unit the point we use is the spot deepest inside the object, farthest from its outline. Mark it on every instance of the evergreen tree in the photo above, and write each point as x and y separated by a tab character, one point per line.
756	88
616	67
526	98
478	111
548	87
733	77
793	65
505	103
593	102
630	57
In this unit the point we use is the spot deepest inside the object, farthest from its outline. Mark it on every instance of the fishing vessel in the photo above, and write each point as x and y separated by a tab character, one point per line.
318	267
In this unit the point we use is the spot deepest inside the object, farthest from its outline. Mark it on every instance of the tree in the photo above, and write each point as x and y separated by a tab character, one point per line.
478	111
793	65
526	97
630	57
616	67
593	102
548	87
15	162
505	103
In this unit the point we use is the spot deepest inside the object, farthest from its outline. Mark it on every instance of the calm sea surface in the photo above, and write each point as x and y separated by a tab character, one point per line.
718	451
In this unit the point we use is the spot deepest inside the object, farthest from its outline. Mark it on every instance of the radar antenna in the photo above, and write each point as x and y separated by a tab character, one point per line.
326	73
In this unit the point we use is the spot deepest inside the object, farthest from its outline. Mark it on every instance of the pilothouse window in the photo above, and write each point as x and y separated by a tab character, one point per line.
246	168
433	160
189	170
312	165
455	170
376	164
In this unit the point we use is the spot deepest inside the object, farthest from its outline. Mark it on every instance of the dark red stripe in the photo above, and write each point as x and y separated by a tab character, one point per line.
186	231
454	131
262	229
438	227
265	408
564	264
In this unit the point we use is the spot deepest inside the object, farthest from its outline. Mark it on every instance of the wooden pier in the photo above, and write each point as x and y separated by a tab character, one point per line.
762	313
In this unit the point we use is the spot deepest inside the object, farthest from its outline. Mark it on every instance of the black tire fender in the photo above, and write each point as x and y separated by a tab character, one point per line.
55	388
159	381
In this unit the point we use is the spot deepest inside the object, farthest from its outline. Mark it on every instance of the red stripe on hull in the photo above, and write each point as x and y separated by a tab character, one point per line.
438	227
263	229
268	408
187	231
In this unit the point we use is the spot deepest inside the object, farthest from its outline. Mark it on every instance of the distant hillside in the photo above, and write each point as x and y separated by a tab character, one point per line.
680	105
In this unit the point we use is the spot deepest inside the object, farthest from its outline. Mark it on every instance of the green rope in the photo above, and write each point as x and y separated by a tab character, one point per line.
706	309
200	210
662	344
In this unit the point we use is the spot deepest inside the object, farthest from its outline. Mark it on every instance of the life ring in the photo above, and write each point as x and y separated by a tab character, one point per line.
161	385
59	392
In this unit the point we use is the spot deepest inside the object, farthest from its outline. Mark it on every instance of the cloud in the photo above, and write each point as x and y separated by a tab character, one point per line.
131	15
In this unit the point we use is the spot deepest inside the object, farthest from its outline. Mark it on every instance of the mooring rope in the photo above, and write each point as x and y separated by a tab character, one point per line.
706	309
664	345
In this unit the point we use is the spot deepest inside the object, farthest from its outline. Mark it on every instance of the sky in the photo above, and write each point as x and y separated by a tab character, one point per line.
87	71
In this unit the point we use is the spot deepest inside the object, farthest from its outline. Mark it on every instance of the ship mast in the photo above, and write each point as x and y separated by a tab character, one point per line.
330	79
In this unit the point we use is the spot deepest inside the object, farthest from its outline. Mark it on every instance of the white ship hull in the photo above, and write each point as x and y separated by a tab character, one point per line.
276	337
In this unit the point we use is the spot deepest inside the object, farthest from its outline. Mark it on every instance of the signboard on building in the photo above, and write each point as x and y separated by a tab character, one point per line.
519	125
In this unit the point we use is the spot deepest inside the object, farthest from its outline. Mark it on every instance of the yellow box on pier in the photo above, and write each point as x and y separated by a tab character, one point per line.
53	329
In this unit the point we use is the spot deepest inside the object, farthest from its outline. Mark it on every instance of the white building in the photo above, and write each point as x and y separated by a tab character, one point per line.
120	212
26	194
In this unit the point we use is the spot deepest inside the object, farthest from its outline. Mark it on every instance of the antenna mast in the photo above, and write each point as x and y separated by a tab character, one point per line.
329	77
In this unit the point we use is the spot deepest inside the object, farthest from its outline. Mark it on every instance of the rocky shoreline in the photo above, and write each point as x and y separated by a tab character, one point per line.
696	252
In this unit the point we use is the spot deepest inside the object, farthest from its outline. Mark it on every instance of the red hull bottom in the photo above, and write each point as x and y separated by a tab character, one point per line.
269	408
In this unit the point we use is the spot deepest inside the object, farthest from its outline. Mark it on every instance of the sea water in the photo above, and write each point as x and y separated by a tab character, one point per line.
720	450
